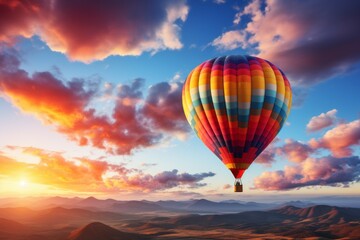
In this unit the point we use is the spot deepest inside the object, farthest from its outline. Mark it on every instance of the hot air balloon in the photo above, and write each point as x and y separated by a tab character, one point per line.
236	105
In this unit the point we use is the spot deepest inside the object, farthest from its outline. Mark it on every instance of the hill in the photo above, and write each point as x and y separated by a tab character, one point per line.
97	230
9	226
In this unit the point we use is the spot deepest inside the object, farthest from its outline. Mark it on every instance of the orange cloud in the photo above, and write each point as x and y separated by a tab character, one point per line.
136	122
56	171
47	97
10	167
86	175
97	29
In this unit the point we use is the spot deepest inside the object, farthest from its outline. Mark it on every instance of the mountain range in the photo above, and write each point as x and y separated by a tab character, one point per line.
91	218
321	221
143	206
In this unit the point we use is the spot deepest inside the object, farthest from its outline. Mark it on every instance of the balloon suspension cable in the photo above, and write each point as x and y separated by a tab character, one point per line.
238	186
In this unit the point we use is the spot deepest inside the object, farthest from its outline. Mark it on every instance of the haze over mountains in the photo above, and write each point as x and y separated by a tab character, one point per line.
91	218
192	206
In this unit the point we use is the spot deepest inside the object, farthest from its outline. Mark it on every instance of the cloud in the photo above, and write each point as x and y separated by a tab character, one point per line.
44	95
160	181
340	139
148	165
295	35
326	171
19	18
10	167
230	40
163	109
136	121
339	169
131	131
293	150
227	186
86	175
98	29
253	9
54	170
296	151
322	121
219	1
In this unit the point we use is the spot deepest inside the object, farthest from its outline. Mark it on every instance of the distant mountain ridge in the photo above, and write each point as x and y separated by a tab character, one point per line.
318	212
196	205
140	206
57	215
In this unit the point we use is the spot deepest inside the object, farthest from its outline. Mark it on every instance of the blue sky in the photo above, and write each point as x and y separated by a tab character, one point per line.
161	48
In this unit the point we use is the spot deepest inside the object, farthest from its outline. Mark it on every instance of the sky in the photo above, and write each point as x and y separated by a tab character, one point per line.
90	97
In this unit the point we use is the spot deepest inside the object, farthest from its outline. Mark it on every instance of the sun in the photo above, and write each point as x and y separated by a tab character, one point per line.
23	183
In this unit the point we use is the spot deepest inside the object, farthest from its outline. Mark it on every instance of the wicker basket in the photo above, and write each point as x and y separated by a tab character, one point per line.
238	188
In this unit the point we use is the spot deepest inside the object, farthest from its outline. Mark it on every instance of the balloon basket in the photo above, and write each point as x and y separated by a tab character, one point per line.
238	187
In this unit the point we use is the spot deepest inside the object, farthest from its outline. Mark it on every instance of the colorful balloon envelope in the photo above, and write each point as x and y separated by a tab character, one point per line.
236	105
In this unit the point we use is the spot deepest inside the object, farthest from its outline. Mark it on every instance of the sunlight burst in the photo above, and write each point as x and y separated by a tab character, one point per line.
23	183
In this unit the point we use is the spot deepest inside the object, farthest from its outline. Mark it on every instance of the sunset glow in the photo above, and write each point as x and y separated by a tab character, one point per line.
179	119
23	183
95	109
